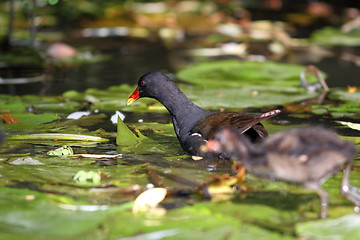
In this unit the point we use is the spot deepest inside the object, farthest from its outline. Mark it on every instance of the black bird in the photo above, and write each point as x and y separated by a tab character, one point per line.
193	125
305	156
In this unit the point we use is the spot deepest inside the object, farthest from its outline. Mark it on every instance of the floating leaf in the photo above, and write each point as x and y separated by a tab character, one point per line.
26	161
27	121
346	227
87	178
235	98
229	73
330	36
344	95
124	135
149	199
9	119
351	89
61	151
16	107
349	109
58	137
42	218
98	156
351	125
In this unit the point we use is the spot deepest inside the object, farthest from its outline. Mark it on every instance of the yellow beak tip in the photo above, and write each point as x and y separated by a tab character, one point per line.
130	101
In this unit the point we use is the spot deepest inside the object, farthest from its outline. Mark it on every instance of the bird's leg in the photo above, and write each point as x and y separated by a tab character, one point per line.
350	192
324	198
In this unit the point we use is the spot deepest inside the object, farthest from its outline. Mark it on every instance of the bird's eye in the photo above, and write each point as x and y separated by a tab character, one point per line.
142	83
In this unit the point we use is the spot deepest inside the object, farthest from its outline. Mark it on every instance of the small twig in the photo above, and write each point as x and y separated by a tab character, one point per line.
154	178
311	69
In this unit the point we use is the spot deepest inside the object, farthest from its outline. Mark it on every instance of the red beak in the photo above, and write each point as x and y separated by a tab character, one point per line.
133	97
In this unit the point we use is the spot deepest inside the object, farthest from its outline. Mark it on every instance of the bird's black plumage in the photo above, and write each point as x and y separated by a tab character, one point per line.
193	125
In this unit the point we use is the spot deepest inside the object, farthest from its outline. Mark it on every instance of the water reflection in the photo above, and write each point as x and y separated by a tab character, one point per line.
131	57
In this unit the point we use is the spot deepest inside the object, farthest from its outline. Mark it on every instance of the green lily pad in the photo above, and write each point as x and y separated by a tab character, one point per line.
202	221
344	95
13	107
349	109
158	128
330	36
125	136
345	227
26	161
61	151
141	144
39	218
28	121
231	73
58	137
60	107
88	178
251	96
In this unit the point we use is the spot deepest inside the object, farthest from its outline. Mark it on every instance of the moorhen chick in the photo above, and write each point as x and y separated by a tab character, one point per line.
306	156
193	125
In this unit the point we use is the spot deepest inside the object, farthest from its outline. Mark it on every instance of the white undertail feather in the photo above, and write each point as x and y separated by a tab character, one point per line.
270	113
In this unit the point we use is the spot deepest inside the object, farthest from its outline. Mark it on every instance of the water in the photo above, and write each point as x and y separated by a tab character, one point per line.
130	58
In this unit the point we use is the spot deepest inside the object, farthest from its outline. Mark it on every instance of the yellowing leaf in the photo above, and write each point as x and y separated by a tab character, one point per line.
84	155
61	151
351	125
149	199
196	158
351	89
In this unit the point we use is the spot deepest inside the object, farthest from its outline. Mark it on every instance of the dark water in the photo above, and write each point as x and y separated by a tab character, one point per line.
130	58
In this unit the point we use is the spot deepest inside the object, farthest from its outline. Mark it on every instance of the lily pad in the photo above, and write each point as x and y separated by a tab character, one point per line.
199	222
345	227
229	73
61	151
39	217
251	96
28	121
344	95
349	109
124	135
58	137
330	36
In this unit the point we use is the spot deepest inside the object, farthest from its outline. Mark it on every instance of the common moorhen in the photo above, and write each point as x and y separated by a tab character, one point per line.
306	156
192	124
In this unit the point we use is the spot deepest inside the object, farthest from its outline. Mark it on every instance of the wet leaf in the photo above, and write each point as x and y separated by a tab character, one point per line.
9	119
41	217
124	135
88	178
346	227
233	98
349	109
203	221
149	199
61	151
58	137
351	125
16	107
330	36
351	89
26	161
242	73
27	121
98	155
344	95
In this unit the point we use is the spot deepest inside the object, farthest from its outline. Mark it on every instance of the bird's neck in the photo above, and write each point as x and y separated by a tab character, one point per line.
185	114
